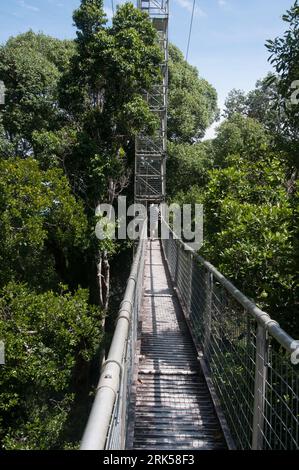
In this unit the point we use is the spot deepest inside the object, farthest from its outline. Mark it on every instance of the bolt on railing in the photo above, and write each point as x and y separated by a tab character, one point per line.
246	352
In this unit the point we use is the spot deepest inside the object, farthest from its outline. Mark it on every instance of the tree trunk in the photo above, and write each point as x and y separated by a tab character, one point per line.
103	278
103	272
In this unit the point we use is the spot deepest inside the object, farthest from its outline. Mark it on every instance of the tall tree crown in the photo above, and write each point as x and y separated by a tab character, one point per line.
89	17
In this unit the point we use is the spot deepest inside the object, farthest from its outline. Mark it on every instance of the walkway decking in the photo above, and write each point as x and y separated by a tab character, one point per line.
172	405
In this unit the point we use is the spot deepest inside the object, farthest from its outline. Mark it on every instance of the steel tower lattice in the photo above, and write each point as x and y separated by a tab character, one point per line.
151	150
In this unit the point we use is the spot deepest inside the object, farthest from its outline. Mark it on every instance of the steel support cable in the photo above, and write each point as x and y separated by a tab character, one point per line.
190	30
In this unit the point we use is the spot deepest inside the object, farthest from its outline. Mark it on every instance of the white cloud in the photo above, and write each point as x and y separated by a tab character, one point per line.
222	3
23	4
188	5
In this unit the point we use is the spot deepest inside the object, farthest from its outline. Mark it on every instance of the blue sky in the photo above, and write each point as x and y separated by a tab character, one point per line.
227	43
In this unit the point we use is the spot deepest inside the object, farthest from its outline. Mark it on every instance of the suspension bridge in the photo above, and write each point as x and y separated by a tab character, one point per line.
193	364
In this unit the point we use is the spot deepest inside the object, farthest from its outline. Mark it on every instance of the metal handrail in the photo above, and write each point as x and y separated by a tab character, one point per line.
114	369
255	381
263	318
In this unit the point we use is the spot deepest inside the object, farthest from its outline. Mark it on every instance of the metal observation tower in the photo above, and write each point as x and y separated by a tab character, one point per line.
150	162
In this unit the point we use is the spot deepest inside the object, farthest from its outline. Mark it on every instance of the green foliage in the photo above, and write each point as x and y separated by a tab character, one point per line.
284	56
285	51
48	338
54	149
6	147
56	51
72	111
240	135
30	67
251	236
37	211
250	214
113	66
102	95
89	18
262	104
235	103
187	165
270	103
192	100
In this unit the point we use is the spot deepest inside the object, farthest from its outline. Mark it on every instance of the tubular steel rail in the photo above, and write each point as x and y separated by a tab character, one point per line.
244	352
107	424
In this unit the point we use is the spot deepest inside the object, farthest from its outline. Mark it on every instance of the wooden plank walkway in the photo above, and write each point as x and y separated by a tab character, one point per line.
172	407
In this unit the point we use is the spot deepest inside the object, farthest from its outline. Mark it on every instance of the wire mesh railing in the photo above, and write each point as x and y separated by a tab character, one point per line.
107	424
246	352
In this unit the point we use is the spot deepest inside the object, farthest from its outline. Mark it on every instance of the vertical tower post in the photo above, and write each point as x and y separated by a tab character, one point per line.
150	160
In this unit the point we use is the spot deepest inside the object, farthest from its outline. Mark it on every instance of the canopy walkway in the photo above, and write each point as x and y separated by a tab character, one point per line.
171	405
193	364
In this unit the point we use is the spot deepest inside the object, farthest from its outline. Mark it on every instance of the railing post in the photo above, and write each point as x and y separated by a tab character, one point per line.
208	311
177	262
259	388
189	255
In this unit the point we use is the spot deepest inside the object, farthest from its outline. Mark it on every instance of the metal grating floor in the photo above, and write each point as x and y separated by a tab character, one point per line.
173	408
